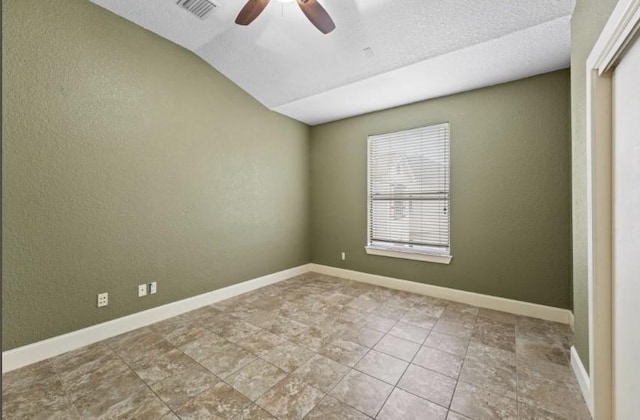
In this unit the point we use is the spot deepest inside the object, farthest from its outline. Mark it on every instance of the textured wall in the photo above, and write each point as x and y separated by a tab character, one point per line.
510	190
127	159
588	20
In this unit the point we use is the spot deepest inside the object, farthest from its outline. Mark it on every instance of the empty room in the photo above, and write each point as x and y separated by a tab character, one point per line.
321	209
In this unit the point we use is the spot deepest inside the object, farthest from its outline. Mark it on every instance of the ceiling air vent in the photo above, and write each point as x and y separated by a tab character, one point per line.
200	8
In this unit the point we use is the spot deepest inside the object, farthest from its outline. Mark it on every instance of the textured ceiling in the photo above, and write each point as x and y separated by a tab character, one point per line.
421	48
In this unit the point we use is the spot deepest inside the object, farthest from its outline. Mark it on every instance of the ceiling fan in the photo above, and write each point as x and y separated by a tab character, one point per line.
311	8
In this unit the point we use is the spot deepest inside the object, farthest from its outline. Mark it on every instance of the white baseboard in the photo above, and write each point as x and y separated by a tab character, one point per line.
572	322
41	350
583	378
533	310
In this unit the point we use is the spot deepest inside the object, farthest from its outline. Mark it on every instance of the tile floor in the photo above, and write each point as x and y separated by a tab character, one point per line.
312	347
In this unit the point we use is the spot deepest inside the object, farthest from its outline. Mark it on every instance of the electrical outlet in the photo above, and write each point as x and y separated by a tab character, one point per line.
142	290
103	299
343	255
153	288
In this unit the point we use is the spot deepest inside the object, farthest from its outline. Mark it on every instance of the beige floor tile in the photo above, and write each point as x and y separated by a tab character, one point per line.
382	366
554	353
456	416
541	331
409	332
499	378
128	339
463	308
235	331
261	342
542	370
480	404
290	399
218	402
461	317
397	347
338	298
227	360
406	406
313	338
138	344
298	313
453	328
344	352
142	404
204	347
495	333
178	389
439	361
287	356
36	399
362	392
528	412
497	316
364	303
448	343
270	303
179	331
346	313
489	354
491	368
186	335
112	377
27	376
364	336
288	328
390	311
160	366
73	366
559	397
203	315
420	319
238	312
321	373
428	384
265	319
102	397
253	412
333	409
429	306
73	360
256	378
379	323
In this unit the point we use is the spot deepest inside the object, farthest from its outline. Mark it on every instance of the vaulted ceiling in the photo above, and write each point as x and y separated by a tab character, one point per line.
383	53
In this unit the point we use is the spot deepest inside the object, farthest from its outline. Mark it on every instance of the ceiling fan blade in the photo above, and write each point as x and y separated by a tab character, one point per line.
251	11
317	15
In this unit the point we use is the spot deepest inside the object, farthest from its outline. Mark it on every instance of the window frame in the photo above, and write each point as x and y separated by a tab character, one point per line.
409	254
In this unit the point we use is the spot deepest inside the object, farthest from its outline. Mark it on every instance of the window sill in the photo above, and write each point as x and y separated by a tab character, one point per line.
440	259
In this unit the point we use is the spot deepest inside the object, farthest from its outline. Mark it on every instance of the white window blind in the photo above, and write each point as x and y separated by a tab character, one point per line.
409	190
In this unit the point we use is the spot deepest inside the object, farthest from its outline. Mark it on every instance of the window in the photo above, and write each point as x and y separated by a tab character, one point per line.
408	201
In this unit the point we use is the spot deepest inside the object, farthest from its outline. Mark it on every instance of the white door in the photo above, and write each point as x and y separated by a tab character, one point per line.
626	235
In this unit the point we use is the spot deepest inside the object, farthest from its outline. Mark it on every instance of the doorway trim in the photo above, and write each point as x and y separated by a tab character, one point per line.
619	31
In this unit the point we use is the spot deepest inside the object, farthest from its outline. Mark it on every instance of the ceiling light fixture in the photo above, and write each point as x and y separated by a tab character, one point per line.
311	9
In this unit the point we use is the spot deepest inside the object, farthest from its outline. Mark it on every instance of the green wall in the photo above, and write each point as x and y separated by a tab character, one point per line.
510	190
127	159
589	17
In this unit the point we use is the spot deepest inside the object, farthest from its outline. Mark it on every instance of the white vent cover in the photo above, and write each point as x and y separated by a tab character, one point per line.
200	8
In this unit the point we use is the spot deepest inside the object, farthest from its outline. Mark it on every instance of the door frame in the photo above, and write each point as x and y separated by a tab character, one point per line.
617	35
